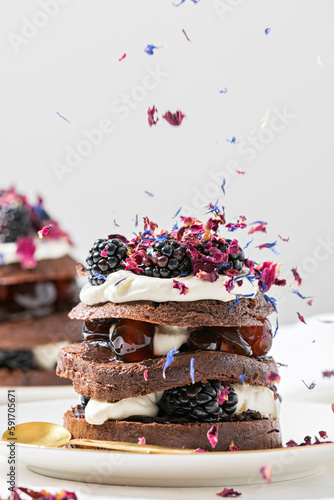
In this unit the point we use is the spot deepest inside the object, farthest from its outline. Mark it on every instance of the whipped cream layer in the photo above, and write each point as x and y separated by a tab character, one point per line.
45	249
45	356
125	286
97	412
250	397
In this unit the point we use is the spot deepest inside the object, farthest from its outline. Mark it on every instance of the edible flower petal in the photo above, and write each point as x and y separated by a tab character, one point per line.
266	473
169	360
212	435
25	250
174	119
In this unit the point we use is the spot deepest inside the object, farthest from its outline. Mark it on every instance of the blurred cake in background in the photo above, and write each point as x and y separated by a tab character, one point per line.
37	289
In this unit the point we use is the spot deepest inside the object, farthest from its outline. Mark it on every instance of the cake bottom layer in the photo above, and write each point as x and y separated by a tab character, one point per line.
250	435
16	378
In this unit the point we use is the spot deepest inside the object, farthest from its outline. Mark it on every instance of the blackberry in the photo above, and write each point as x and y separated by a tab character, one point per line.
15	221
99	266
198	402
22	360
235	258
166	259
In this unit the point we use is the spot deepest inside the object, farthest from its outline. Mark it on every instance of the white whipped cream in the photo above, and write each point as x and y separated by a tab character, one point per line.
250	397
139	287
97	412
167	338
257	398
45	356
45	249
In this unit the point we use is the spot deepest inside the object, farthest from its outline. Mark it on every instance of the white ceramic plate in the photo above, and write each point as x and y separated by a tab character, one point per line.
202	469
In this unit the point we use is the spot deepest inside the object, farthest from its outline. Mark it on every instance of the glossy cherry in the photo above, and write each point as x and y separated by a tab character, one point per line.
133	340
94	330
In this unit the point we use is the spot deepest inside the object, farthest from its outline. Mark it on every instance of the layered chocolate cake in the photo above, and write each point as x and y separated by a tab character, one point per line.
175	344
37	289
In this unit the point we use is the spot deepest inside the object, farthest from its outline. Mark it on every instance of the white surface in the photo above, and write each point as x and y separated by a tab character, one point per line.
70	65
308	352
203	469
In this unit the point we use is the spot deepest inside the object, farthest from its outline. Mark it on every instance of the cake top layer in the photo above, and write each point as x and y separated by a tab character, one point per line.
189	263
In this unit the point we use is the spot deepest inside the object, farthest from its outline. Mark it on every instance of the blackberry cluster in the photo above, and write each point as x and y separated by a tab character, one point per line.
235	258
23	360
100	267
198	402
166	259
15	221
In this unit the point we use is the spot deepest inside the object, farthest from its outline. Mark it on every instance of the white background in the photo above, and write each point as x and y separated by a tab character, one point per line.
69	64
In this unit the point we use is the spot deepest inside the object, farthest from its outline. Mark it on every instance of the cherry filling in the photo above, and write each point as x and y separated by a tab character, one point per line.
248	341
35	299
132	341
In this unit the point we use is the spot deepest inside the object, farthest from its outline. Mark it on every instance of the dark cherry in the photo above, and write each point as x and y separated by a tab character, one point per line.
94	330
259	337
217	338
248	341
133	340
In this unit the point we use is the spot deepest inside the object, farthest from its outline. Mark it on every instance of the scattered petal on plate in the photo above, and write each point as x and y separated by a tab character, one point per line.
240	172
123	57
266	472
228	493
232	140
149	194
223	91
267	31
260	227
311	386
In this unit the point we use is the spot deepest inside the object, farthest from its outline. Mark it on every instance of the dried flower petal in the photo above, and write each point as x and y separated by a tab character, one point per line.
25	250
169	360
123	57
174	118
261	227
63	117
267	31
328	373
266	473
332	407
181	286
44	231
222	396
240	172
80	269
301	318
296	276
311	386
228	493
309	302
284	239
271	246
273	377
149	49
152	120
142	441
192	370
146	375
242	378
323	434
212	435
233	447
185	34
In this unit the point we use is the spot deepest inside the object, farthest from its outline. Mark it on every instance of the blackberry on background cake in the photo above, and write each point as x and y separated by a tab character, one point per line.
37	289
175	344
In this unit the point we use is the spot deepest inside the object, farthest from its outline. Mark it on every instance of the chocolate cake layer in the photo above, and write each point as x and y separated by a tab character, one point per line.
13	378
96	374
248	312
45	270
253	435
27	334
